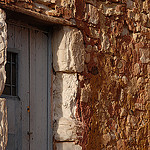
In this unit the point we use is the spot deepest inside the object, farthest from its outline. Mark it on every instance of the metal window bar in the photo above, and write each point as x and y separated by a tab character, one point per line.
12	85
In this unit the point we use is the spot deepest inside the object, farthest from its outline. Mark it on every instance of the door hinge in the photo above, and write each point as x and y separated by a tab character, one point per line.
28	109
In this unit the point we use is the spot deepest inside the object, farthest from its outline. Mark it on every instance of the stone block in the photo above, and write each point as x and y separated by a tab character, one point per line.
87	57
41	6
67	146
144	55
94	32
105	42
136	69
85	93
124	79
109	10
125	31
144	19
123	113
68	50
64	97
88	48
93	14
121	144
65	129
148	106
106	138
130	4
64	94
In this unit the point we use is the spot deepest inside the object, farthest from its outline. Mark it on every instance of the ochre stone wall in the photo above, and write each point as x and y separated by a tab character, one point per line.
111	89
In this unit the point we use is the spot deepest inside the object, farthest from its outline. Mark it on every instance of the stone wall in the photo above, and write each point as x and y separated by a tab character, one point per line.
3	110
3	125
101	100
68	62
3	46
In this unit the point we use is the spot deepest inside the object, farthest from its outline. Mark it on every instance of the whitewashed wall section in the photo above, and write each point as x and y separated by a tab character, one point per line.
3	110
68	61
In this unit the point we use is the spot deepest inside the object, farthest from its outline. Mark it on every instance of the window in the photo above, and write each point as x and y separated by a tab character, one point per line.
11	75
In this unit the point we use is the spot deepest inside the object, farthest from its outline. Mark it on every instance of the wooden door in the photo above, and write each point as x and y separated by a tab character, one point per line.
28	110
38	91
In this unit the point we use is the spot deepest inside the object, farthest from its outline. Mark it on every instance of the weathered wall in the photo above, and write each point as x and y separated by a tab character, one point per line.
3	110
111	88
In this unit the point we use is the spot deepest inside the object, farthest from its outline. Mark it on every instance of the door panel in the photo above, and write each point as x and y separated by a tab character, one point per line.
23	83
31	46
14	126
38	90
18	117
10	36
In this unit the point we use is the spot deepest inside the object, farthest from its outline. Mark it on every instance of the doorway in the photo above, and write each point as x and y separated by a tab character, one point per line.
28	107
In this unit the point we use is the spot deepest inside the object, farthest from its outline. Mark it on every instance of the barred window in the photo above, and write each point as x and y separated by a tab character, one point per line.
11	74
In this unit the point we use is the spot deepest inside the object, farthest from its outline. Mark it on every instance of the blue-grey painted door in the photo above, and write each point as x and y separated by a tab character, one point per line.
28	111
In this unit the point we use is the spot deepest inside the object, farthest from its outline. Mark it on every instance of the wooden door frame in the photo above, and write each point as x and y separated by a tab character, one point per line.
49	93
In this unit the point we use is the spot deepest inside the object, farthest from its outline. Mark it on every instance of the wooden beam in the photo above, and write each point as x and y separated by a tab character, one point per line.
41	17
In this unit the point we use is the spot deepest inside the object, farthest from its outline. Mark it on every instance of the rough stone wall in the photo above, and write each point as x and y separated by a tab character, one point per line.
3	110
114	101
106	104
